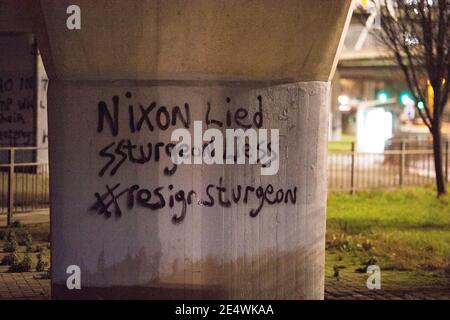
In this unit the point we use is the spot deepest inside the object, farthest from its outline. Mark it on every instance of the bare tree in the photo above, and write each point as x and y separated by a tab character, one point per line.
417	33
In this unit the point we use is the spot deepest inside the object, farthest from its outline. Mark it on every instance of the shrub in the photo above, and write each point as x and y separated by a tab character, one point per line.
28	241
11	236
9	259
11	243
41	264
22	266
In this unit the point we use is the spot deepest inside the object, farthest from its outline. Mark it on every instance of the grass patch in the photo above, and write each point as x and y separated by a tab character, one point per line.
404	230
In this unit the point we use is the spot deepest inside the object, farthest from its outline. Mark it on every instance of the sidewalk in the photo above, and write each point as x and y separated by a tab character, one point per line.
27	285
30	285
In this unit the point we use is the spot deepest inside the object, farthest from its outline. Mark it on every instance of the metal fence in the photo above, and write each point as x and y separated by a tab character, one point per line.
352	170
24	184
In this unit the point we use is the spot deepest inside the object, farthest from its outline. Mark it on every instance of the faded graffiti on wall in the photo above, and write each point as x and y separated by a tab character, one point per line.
17	109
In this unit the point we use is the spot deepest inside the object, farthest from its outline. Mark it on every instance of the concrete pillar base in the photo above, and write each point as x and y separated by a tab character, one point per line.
216	251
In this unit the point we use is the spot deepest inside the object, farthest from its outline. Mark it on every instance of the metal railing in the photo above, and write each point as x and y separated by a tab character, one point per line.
352	170
24	185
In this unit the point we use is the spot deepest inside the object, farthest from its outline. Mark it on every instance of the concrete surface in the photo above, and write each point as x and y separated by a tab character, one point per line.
216	251
286	40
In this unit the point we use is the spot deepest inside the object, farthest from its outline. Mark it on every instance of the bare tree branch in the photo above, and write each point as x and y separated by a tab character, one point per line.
417	33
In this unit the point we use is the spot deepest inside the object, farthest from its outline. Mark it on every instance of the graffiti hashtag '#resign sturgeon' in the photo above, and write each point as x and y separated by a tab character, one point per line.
108	204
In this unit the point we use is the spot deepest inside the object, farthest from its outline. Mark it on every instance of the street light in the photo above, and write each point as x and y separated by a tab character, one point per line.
405	98
382	96
420	105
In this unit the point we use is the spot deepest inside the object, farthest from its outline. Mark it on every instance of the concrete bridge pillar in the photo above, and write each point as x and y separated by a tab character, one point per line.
136	225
